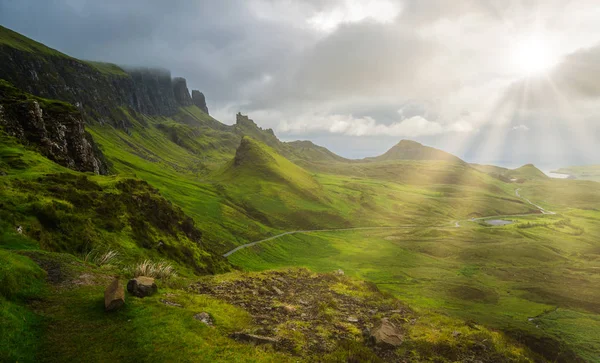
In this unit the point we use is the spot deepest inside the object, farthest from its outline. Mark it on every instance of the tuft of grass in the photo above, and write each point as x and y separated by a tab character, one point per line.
99	258
160	270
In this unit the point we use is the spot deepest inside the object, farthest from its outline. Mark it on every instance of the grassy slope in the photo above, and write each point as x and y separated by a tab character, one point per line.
500	276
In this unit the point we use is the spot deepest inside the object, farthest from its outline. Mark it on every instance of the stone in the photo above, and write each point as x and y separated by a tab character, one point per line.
352	319
339	272
289	309
276	289
205	318
142	286
114	296
20	230
252	338
386	335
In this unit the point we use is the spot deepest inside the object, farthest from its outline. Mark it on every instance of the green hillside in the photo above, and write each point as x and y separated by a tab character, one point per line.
409	229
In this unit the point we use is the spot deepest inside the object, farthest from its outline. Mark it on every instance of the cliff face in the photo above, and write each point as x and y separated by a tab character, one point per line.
199	100
95	88
55	128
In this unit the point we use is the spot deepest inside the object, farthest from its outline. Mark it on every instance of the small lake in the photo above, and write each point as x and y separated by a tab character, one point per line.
498	222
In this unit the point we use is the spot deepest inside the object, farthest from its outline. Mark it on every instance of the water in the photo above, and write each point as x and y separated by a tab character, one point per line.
498	222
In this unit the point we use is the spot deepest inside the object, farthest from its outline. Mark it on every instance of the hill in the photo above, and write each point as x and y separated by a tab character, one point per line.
412	150
527	172
254	160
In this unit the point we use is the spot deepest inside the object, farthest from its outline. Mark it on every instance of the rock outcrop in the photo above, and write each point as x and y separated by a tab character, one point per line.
114	296
142	286
98	89
181	92
57	129
199	100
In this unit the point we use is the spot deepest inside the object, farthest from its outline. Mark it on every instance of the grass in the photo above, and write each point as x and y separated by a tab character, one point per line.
497	276
160	270
21	280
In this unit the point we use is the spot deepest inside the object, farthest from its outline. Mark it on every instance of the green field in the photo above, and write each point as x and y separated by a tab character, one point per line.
534	278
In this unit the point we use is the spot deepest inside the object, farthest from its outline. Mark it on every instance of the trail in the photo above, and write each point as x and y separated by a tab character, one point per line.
456	224
535	205
317	230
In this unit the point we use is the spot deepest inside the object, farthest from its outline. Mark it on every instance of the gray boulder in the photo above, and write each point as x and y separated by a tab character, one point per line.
142	286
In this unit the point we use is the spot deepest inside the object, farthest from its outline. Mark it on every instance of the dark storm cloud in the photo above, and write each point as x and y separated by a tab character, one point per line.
219	46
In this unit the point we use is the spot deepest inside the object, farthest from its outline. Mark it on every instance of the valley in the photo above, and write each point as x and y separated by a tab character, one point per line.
108	172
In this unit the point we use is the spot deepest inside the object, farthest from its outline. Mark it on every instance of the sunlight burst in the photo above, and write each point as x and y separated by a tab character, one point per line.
533	56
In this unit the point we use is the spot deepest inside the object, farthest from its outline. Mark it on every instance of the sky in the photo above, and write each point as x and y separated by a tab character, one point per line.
502	82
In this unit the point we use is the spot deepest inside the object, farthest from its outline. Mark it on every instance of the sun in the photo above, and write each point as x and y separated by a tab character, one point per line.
533	56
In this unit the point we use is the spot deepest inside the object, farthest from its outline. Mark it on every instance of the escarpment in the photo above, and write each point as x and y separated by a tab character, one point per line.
55	128
97	89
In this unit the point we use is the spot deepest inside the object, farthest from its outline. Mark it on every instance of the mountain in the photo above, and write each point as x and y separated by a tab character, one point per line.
412	150
97	89
307	150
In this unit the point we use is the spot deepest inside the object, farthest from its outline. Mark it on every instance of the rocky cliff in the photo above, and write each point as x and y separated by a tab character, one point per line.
95	88
55	128
199	100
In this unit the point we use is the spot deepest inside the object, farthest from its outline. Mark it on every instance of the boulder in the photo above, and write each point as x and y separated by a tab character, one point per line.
252	338
114	296
205	318
142	286
387	335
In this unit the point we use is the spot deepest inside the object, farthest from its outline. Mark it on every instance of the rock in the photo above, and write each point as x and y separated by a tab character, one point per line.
181	93
352	319
142	286
56	129
199	100
276	289
205	318
251	338
289	309
339	272
20	230
114	296
456	333
386	335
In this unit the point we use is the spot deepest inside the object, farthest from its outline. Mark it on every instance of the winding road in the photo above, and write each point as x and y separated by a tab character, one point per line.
457	225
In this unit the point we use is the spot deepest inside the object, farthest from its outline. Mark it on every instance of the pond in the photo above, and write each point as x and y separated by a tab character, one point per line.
498	222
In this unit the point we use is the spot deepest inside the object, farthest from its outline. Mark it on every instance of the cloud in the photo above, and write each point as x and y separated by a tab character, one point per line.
415	126
337	71
520	128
